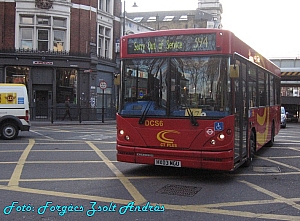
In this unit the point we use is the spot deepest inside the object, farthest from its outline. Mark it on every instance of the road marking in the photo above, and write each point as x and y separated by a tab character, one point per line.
63	194
285	157
40	134
87	179
276	162
274	195
138	197
209	208
15	177
206	208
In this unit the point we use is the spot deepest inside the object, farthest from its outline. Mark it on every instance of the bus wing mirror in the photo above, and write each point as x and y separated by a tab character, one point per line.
234	71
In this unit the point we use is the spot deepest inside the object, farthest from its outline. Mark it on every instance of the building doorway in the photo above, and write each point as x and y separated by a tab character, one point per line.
41	101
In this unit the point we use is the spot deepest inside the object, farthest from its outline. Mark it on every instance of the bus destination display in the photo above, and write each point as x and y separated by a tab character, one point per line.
172	43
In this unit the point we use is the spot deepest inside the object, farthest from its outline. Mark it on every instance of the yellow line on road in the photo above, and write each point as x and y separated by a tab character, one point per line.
138	197
274	195
285	157
86	179
62	162
63	194
276	162
187	208
15	177
16	151
204	209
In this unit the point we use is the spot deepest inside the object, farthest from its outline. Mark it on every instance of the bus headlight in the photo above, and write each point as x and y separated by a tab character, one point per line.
213	142
221	137
121	132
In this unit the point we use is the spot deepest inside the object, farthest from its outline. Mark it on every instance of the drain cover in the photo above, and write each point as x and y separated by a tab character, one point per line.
179	190
267	169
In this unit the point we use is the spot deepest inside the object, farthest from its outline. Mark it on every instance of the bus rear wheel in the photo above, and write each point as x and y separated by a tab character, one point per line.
251	150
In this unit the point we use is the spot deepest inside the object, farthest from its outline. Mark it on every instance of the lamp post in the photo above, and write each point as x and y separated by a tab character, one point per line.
124	15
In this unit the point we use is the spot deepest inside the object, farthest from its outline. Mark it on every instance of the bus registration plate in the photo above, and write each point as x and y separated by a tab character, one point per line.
168	163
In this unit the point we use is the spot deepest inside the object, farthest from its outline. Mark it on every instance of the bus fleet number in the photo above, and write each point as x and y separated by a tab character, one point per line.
154	123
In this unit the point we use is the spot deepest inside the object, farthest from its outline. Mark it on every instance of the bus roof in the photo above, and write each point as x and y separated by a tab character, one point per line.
184	42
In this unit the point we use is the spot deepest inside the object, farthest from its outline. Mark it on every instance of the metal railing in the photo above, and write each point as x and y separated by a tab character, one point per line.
76	114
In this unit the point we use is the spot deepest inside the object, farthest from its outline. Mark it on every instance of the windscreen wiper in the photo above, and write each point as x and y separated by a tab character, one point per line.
144	114
192	118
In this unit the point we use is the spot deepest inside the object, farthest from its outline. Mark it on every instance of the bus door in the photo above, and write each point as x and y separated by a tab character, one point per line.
240	107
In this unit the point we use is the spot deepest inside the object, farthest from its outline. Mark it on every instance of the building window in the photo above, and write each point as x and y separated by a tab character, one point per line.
104	36
107	5
138	19
26	20
26	38
43	40
42	33
106	48
104	5
59	22
58	43
100	46
183	18
43	21
107	32
168	18
151	19
100	4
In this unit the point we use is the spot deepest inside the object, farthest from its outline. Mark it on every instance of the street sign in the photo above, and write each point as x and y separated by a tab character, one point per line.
102	85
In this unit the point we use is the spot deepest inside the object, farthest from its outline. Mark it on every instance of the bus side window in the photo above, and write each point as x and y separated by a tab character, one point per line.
262	98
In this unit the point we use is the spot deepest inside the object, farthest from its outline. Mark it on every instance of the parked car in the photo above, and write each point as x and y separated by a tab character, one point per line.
283	118
291	117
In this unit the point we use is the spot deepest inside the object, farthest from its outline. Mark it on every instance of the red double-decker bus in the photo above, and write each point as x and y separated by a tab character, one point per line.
197	98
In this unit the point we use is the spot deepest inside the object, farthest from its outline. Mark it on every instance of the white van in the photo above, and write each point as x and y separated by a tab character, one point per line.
14	110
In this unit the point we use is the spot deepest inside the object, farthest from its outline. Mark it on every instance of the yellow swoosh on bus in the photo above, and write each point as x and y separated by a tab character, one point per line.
263	120
161	136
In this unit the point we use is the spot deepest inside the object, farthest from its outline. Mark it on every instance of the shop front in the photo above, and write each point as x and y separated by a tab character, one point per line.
55	82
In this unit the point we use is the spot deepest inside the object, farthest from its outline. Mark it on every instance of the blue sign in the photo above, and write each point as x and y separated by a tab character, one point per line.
20	100
219	126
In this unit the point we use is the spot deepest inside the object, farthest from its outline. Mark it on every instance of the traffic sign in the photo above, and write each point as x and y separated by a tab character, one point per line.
103	85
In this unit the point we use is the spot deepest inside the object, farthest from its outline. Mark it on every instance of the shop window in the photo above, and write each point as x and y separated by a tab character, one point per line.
66	85
17	74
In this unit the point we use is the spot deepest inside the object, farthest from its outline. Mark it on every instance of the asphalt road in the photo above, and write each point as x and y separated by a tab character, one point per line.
70	172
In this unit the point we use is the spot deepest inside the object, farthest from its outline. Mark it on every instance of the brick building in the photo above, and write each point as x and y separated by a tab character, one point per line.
61	50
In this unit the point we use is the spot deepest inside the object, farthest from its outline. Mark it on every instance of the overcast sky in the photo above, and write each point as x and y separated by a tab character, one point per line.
271	27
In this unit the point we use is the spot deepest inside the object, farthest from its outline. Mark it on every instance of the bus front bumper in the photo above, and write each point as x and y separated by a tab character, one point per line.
212	160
